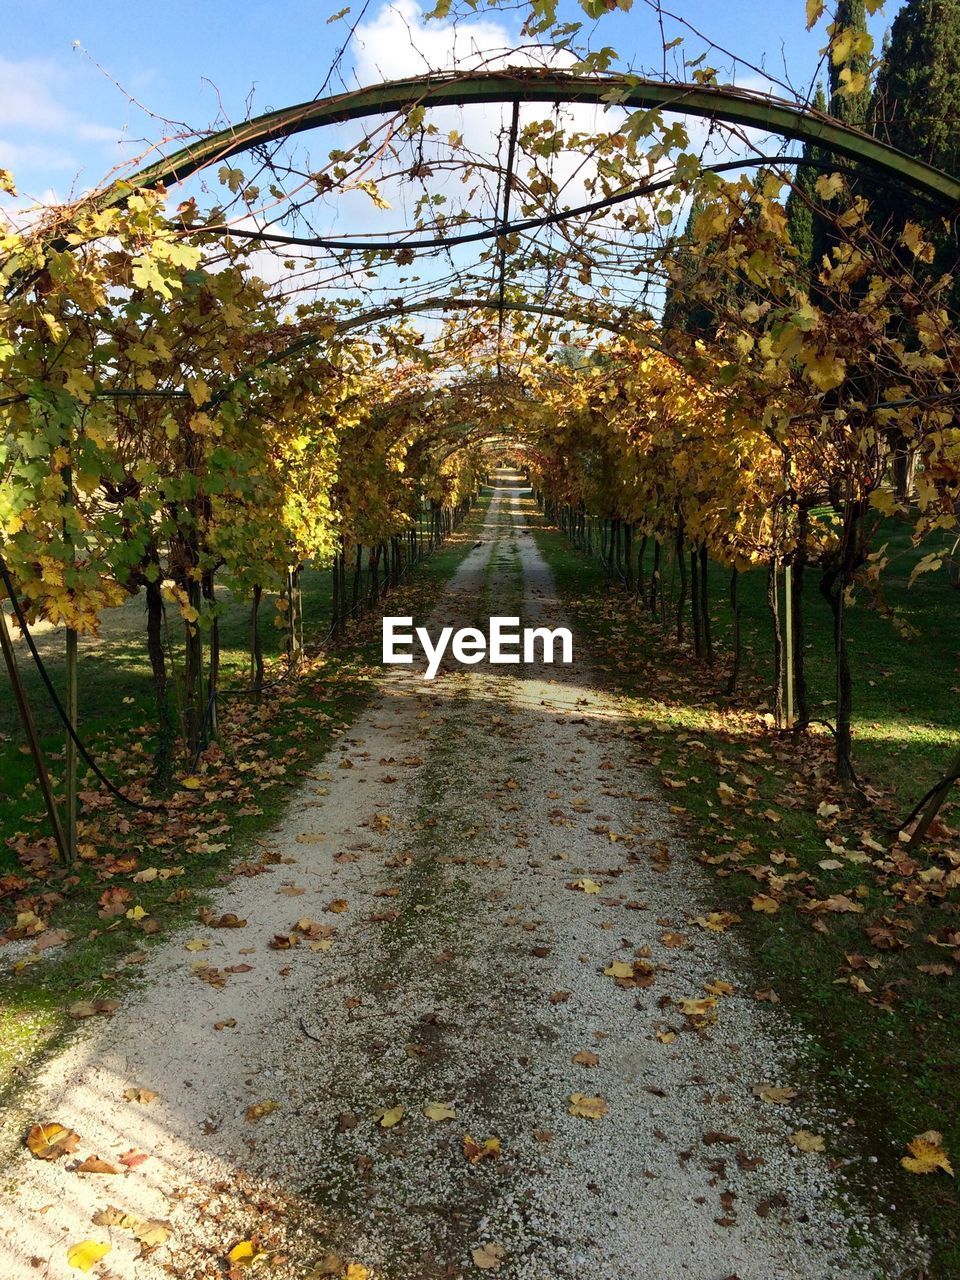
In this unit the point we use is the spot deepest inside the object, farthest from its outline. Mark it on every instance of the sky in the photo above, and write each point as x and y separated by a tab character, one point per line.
78	80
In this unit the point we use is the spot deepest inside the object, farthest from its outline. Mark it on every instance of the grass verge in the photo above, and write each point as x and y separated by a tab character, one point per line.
856	938
84	935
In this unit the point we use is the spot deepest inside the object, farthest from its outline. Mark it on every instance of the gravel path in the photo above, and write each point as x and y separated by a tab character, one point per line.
444	958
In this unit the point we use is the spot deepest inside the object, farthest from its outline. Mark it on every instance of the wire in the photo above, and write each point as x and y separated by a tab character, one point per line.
58	705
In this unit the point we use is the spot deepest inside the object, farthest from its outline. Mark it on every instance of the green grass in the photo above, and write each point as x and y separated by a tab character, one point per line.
262	753
887	1059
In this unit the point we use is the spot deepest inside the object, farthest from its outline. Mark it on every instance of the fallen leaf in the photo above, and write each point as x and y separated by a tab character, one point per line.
259	1109
586	1059
718	987
927	1154
700	1007
132	1158
773	1093
763	902
717	921
587	1108
85	1255
93	1164
91	1008
437	1111
586	886
388	1118
244	1254
804	1140
51	1141
139	1094
475	1151
488	1257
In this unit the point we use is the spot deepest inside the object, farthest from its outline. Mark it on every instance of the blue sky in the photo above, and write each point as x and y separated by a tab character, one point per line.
62	119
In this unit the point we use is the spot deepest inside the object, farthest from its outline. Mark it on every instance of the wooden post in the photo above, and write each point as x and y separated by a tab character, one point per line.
788	601
70	757
30	729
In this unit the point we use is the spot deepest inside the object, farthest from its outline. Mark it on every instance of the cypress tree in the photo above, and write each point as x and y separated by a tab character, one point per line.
800	216
917	101
916	108
695	318
851	108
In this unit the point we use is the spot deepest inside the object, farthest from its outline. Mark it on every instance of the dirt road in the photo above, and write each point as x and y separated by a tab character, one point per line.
496	921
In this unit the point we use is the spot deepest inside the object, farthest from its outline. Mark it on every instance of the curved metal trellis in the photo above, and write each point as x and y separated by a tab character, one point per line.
712	102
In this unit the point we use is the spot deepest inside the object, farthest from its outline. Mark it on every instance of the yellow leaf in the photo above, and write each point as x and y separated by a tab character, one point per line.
927	1154
139	1094
588	886
258	1110
51	1141
773	1093
388	1118
884	500
488	1257
619	969
85	1255
197	944
717	921
244	1254
804	1140
697	1008
136	913
373	192
357	1271
476	1151
587	1108
719	988
814	12
199	391
191	783
439	1111
763	902
828	185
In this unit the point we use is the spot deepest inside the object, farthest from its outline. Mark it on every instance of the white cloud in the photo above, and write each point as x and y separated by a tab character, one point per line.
40	132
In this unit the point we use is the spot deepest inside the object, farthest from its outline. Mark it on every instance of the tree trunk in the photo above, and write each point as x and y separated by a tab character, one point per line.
773	602
682	567
213	658
357	577
166	733
256	647
705	604
655	577
193	673
737	641
798	627
833	589
695	599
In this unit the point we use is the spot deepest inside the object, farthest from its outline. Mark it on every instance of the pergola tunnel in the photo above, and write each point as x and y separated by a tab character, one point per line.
666	368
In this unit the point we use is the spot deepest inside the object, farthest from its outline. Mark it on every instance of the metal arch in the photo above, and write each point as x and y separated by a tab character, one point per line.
395	311
735	106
